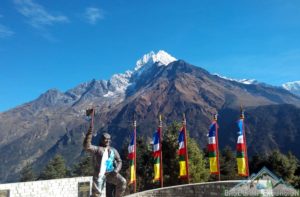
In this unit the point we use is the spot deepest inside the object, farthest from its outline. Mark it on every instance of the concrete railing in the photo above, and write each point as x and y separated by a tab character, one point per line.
206	189
81	187
68	187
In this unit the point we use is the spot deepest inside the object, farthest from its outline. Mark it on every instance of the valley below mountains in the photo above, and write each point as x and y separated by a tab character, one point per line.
55	123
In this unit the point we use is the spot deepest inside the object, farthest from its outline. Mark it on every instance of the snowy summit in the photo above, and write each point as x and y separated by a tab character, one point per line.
293	87
162	58
244	81
120	82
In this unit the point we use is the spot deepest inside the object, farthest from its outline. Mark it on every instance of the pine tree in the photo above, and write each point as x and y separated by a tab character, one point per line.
197	164
84	167
144	168
55	169
27	173
228	167
170	157
284	166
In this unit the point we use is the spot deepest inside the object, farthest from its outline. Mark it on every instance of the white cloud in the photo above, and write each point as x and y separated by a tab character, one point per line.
37	15
93	15
5	32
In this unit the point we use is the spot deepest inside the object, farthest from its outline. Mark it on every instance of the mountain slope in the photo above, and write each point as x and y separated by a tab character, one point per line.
56	123
267	128
183	88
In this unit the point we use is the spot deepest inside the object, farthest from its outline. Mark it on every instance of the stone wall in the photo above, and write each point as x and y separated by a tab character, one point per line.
68	187
208	189
81	187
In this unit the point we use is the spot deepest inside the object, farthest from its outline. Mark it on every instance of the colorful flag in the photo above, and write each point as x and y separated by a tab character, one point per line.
241	148
213	150
132	158
182	152
157	154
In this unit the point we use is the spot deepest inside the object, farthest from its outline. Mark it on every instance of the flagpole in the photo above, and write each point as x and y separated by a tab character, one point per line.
217	140
134	125
242	116
161	163
186	152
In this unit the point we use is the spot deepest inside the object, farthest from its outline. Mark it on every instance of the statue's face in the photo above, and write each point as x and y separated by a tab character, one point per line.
105	139
106	142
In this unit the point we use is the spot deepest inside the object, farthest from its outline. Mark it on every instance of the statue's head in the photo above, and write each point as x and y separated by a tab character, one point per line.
105	139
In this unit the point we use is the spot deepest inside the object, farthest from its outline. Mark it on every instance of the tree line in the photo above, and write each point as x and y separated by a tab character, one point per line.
285	166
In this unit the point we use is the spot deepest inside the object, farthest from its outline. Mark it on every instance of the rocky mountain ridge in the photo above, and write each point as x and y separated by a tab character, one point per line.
56	123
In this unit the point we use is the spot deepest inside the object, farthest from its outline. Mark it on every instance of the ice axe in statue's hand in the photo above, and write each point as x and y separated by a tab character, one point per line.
91	113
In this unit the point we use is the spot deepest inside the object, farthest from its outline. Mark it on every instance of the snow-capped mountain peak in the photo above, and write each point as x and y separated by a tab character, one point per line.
293	87
121	81
248	81
161	57
117	85
244	81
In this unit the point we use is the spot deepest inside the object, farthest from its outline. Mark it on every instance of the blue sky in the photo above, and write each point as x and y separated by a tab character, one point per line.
58	44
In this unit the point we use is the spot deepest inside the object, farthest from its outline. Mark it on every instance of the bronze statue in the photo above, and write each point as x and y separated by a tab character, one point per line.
107	164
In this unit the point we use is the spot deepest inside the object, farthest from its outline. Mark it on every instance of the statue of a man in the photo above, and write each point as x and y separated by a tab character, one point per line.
107	165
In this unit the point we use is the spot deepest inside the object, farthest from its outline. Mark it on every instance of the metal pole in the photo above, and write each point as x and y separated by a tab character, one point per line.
217	141
161	158
186	148
134	125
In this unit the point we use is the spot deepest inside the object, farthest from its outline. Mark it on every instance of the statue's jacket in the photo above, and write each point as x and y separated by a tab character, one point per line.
98	151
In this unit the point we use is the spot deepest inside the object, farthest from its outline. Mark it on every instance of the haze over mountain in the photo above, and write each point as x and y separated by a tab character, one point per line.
159	84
